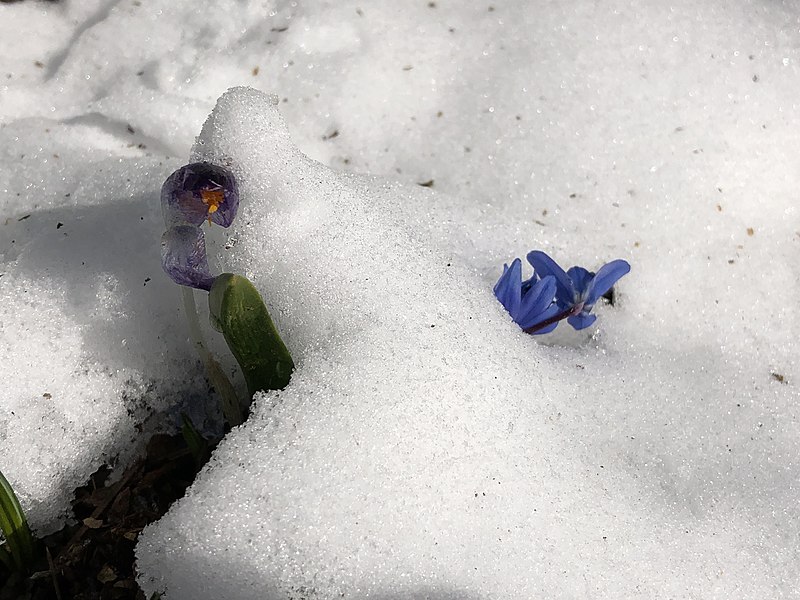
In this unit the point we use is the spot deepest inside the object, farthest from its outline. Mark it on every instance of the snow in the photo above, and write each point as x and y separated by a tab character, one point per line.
425	447
89	332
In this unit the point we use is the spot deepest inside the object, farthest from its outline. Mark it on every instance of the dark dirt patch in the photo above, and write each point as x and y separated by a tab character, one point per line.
94	558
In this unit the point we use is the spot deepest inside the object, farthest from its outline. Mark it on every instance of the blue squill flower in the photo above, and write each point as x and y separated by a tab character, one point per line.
183	257
577	289
198	192
530	302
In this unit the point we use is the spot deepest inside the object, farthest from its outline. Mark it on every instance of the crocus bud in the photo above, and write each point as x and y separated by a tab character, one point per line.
199	192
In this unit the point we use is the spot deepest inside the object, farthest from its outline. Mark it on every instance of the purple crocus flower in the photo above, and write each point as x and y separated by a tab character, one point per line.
577	289
193	194
198	192
530	302
183	257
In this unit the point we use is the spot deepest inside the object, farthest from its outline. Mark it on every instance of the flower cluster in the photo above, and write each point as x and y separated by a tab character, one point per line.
191	195
552	294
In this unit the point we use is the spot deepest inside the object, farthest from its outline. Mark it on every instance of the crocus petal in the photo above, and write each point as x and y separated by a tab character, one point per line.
226	212
198	192
581	280
536	301
534	319
544	266
581	320
178	205
606	276
507	288
183	257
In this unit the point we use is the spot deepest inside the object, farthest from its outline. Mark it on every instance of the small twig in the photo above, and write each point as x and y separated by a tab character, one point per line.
53	573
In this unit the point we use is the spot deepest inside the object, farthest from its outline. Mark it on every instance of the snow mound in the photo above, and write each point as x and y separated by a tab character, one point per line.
426	448
94	349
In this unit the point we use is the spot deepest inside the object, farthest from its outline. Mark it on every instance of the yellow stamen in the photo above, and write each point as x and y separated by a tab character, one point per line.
212	199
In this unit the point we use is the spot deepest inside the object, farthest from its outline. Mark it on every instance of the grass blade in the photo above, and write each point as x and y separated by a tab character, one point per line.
198	446
19	540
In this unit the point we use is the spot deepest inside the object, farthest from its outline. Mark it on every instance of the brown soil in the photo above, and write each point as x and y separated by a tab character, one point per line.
94	558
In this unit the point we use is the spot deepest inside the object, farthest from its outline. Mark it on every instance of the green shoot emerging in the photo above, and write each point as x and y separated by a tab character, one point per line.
238	311
18	551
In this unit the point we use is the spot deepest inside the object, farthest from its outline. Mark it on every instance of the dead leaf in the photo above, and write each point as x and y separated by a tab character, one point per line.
92	523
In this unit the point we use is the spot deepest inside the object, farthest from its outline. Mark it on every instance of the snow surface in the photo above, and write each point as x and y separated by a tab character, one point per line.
426	447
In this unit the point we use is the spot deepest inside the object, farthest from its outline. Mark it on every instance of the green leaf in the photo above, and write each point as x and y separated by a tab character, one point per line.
15	527
197	444
238	311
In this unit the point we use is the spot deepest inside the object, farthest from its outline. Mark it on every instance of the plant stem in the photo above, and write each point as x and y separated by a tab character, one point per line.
570	312
230	403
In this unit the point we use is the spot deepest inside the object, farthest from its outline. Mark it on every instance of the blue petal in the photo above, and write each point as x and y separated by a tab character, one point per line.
528	284
581	320
507	289
547	329
581	280
606	276
183	257
534	319
544	266
536	301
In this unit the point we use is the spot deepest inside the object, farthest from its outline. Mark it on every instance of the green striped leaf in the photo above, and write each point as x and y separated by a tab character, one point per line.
238	311
19	541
